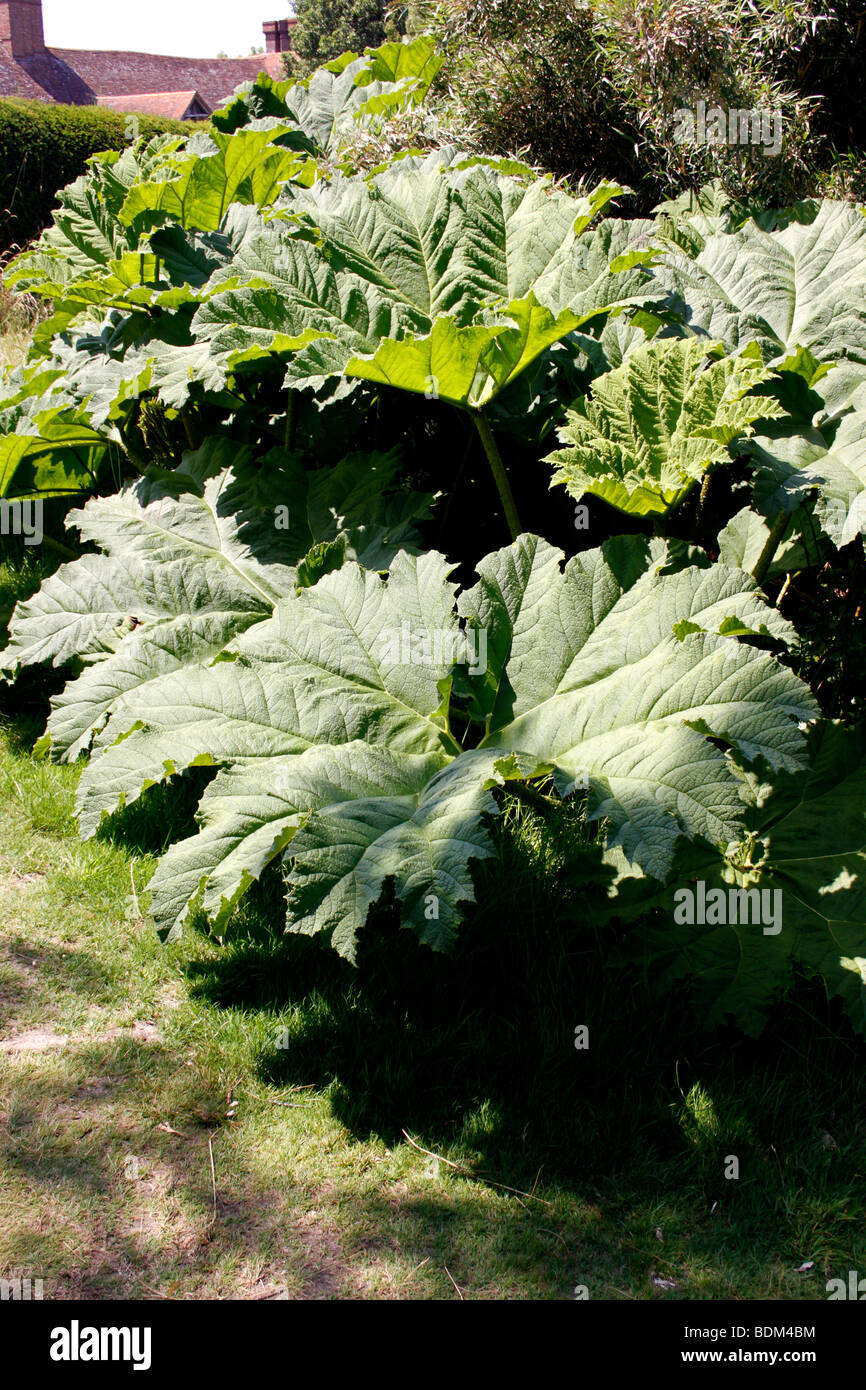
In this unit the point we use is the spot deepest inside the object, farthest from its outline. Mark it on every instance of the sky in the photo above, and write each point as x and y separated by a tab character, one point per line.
188	28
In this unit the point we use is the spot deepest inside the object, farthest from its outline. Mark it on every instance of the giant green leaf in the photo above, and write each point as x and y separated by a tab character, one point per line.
341	94
443	280
614	675
87	234
89	258
48	452
467	366
801	285
654	425
198	184
828	463
190	561
743	540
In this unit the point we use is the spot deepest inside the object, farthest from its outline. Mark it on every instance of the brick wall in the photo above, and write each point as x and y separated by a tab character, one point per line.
21	31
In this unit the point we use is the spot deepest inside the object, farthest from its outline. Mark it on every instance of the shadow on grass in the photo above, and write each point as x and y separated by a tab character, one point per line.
474	1056
69	1138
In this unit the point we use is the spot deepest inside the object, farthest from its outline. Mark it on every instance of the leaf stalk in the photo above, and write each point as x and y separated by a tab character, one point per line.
765	559
500	477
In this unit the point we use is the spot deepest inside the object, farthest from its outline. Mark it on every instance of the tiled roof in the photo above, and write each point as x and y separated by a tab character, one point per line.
78	77
174	105
119	74
55	78
15	82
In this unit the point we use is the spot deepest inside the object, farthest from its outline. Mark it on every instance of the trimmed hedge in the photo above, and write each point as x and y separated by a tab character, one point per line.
43	148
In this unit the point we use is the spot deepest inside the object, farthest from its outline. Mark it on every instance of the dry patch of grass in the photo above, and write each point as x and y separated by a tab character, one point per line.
19	315
14	345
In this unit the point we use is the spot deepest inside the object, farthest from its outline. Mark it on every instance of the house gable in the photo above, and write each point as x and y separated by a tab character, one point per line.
175	106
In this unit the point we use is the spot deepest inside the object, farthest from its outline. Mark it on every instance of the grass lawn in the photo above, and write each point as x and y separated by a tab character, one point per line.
225	1120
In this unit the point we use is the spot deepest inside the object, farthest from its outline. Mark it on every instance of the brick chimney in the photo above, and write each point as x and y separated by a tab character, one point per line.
21	33
277	35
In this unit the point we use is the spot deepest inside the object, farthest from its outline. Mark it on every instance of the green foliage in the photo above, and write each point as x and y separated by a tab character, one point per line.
432	278
138	245
337	98
743	541
333	720
806	844
792	280
43	147
593	89
656	424
828	463
285	380
190	559
328	28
